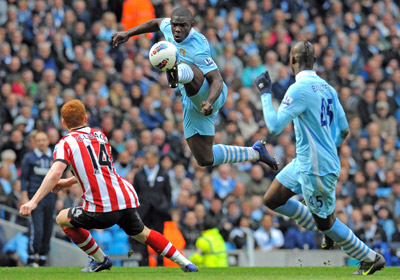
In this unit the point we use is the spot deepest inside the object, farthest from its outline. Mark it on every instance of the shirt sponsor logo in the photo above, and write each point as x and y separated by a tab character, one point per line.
287	101
209	61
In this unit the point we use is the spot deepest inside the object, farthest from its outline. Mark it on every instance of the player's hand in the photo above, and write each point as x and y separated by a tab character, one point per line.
27	208
263	83
206	108
119	38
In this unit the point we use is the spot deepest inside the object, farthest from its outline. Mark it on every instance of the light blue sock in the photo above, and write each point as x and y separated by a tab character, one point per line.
299	212
349	242
233	154
185	73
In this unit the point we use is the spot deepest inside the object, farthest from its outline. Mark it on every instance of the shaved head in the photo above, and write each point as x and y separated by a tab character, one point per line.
302	56
183	12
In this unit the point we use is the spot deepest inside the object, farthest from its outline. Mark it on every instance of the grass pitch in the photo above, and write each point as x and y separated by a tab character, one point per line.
149	273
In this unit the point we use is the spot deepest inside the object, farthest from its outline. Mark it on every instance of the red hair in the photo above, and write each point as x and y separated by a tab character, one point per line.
73	112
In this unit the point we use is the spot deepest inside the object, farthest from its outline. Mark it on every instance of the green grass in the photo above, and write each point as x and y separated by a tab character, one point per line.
147	273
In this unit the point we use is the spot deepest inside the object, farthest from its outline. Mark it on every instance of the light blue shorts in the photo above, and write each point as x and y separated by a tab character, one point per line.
318	191
194	122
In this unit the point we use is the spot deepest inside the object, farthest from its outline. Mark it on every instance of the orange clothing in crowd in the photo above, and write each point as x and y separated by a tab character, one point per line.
135	12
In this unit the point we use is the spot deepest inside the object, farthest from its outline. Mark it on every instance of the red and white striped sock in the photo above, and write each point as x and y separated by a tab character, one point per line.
165	248
85	241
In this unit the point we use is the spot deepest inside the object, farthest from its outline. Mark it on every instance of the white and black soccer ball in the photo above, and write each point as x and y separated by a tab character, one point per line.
163	55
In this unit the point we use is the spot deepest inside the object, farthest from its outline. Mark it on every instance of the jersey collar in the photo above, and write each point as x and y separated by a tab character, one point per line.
304	73
78	128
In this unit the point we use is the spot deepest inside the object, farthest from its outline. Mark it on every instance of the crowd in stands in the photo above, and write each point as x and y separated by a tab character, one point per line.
54	51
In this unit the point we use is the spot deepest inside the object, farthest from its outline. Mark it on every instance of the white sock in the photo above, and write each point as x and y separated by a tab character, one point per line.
180	259
370	257
253	154
99	255
185	73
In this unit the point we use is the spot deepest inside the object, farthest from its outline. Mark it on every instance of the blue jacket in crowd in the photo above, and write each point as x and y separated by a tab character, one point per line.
35	166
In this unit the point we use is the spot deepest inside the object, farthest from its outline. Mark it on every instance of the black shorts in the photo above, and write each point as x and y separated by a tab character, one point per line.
128	219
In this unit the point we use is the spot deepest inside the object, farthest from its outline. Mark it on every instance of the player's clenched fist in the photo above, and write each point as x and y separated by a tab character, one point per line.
27	208
119	38
263	83
206	108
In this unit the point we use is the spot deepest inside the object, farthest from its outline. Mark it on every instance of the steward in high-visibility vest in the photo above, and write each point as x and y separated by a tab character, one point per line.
210	246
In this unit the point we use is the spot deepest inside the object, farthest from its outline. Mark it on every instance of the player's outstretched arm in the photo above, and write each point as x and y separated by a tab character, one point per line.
49	182
216	85
276	122
121	37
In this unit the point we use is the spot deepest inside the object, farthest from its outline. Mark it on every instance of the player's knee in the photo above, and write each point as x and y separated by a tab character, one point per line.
62	219
324	224
204	162
59	220
270	203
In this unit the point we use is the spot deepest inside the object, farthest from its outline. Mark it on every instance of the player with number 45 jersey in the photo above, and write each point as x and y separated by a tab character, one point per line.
320	127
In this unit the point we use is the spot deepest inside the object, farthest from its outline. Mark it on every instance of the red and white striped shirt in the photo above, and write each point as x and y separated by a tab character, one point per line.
88	153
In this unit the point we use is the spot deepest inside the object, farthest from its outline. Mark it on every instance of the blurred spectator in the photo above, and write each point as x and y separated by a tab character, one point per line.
300	238
152	186
35	166
210	247
258	184
124	163
394	200
371	233
282	83
190	230
16	144
386	122
387	223
229	58
252	70
238	236
223	182
267	236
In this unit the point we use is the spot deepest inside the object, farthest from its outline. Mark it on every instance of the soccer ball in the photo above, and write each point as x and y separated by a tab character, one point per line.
163	55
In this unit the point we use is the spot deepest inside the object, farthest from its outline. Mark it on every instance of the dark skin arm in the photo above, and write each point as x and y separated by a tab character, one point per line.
121	37
216	84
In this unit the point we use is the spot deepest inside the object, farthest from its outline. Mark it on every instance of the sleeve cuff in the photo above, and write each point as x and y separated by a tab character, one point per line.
62	160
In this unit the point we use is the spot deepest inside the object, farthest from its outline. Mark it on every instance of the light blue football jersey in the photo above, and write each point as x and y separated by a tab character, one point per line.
193	50
315	108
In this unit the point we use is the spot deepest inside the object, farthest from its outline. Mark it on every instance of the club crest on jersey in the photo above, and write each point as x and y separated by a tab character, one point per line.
208	61
287	101
182	51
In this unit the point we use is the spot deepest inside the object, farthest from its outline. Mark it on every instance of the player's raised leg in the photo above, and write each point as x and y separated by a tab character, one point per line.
84	240
165	248
199	129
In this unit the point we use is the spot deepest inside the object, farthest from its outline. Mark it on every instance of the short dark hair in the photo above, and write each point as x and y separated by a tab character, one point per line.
209	223
183	12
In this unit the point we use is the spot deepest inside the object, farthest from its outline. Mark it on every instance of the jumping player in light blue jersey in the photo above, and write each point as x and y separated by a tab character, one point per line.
320	127
203	90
